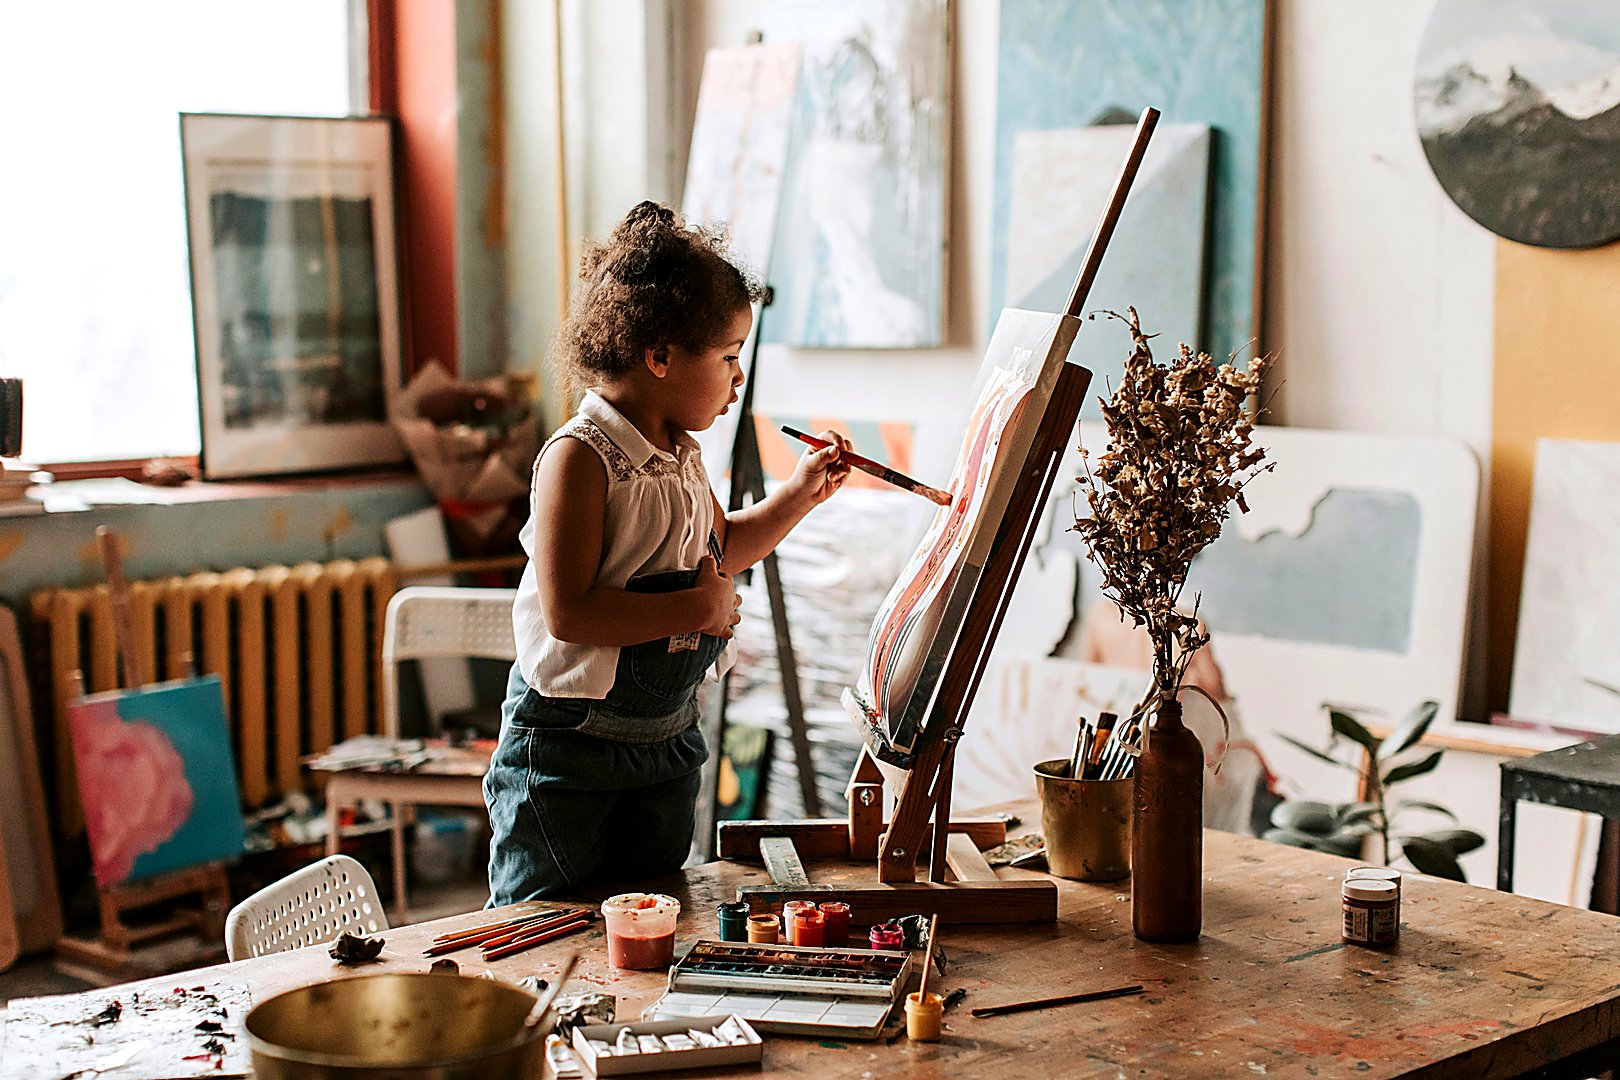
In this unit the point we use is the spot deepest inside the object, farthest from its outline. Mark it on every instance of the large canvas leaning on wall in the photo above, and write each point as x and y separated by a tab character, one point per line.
1070	64
859	254
1566	663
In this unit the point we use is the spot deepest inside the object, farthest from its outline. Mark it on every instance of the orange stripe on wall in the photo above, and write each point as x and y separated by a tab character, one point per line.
1557	376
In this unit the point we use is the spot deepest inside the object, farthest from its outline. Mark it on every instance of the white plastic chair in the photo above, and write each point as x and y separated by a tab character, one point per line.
310	907
426	621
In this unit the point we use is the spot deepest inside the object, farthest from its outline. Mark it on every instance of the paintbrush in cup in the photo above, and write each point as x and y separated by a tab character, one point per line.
1082	750
928	957
1105	728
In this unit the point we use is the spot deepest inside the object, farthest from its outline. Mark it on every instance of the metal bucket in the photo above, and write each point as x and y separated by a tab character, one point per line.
1086	823
419	1026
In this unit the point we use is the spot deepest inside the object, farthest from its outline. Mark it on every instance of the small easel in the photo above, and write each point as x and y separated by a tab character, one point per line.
976	895
113	949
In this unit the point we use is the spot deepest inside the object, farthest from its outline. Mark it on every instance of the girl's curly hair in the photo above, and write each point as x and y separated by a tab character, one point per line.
655	281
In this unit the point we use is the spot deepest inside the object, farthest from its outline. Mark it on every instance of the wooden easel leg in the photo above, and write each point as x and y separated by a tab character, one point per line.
865	807
942	821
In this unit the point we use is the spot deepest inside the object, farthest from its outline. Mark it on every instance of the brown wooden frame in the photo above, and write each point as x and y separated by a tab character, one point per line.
23	932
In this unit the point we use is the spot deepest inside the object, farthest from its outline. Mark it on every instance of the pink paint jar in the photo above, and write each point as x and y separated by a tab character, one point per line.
887	936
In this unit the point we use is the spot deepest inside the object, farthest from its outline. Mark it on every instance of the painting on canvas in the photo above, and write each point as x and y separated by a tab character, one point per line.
859	255
1566	664
1518	106
734	176
157	779
1069	64
912	635
1060	184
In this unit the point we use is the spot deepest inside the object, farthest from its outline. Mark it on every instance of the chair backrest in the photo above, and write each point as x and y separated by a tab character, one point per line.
310	907
433	621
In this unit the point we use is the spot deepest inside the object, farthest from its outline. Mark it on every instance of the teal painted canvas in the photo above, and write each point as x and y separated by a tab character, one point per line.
1066	65
157	778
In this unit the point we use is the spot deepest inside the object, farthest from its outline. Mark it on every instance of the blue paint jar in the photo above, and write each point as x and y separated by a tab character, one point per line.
734	921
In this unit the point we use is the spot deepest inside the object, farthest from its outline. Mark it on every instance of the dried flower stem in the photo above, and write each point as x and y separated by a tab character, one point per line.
1179	456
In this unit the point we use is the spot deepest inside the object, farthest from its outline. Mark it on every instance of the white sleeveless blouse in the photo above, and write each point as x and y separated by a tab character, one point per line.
658	517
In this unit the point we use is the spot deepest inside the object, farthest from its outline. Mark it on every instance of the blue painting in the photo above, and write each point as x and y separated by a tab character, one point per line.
858	259
157	779
1067	64
1060	184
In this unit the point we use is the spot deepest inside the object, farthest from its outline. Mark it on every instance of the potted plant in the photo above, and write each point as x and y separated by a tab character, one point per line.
1343	828
1179	455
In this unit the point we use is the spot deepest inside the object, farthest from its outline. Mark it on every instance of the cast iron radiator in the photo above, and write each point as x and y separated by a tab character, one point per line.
298	650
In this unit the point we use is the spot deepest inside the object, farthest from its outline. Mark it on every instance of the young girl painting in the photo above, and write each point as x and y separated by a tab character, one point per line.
627	600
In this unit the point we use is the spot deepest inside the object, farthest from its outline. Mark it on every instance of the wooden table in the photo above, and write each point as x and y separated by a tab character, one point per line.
453	777
1481	984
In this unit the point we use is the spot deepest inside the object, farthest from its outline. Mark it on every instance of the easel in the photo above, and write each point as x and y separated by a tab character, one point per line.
748	483
976	895
112	950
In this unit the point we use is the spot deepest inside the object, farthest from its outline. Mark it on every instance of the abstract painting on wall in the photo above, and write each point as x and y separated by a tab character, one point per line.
859	254
1566	664
734	175
1518	106
1060	184
1071	64
157	779
915	628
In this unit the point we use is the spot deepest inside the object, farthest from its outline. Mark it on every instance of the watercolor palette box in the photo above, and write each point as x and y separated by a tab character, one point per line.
786	989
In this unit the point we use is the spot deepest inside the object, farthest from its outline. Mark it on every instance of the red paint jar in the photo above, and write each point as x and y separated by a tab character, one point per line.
809	928
641	930
887	936
836	932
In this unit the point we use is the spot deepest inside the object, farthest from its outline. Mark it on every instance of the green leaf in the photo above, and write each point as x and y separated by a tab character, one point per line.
1320	755
1291	838
1355	812
1345	842
1407	735
1415	804
1315	818
1457	841
1348	726
1432	858
1412	768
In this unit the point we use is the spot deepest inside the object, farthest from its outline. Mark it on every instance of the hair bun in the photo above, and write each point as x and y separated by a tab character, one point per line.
647	238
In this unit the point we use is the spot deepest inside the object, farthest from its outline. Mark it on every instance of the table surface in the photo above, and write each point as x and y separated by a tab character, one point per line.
1594	762
1481	983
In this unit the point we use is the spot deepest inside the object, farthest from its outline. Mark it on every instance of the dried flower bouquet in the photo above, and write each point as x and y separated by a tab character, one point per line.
1179	455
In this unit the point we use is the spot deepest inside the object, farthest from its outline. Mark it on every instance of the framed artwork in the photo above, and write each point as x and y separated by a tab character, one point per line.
295	291
1068	65
1518	107
157	778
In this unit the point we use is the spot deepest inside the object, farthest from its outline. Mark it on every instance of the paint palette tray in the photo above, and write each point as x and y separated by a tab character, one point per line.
787	989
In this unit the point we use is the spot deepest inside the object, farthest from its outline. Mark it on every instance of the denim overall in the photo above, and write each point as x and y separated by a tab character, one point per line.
584	791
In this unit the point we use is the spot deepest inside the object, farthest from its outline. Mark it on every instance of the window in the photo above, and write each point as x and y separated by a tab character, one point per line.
95	294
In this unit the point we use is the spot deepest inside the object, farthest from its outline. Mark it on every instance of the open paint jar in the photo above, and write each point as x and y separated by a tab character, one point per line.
641	930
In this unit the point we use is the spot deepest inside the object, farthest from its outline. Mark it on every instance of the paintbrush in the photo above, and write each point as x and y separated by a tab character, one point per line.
498	925
1047	1003
548	934
928	958
874	468
493	936
1105	728
1082	751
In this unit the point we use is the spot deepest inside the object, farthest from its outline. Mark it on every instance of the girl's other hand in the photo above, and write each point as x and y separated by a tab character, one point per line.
820	473
717	599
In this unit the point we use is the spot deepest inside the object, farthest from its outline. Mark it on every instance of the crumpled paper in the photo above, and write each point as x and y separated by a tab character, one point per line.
473	443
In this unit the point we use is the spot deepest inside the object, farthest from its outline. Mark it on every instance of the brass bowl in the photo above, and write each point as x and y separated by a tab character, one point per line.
419	1026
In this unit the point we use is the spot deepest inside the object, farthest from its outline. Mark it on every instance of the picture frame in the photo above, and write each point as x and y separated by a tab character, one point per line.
291	229
30	910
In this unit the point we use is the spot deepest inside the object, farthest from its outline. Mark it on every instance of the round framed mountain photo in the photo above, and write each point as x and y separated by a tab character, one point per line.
1518	106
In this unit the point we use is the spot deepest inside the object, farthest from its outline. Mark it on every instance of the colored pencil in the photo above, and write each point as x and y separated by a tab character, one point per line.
548	934
874	468
490	938
1047	1003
